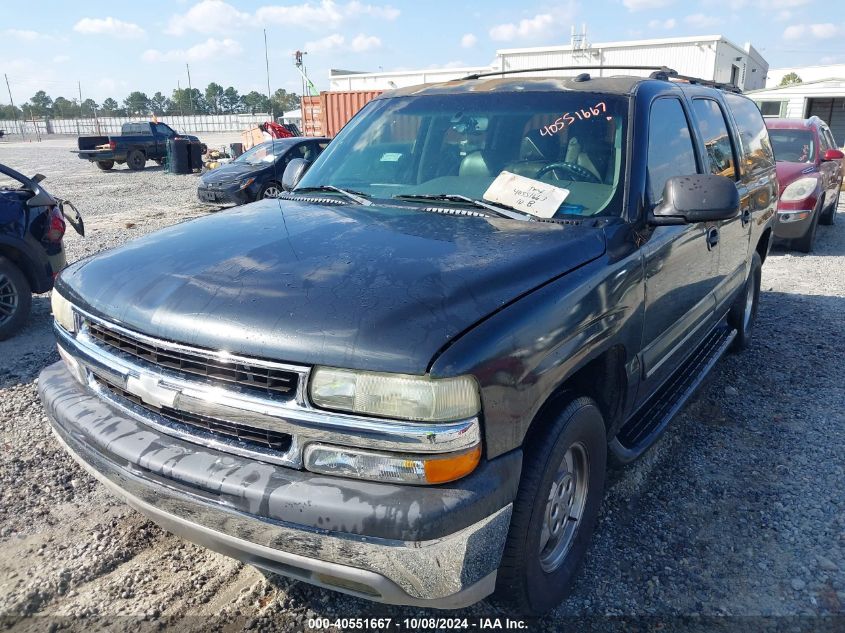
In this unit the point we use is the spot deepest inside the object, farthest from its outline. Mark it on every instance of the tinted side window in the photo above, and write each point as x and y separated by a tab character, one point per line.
717	141
824	142
670	149
756	148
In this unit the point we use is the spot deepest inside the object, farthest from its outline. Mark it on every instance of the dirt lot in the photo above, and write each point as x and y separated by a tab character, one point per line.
739	510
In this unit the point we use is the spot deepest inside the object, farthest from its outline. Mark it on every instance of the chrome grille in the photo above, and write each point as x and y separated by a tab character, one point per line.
248	435
267	380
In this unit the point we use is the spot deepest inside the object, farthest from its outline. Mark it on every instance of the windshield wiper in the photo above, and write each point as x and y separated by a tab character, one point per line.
500	210
355	196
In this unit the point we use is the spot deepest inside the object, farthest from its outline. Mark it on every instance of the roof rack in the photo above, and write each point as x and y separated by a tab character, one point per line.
658	72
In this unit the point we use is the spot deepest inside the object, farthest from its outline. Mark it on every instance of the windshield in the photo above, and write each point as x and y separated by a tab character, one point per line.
459	143
264	153
793	146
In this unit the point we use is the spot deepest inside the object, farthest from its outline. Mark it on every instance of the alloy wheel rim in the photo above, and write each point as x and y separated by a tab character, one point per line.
749	304
271	192
8	298
564	507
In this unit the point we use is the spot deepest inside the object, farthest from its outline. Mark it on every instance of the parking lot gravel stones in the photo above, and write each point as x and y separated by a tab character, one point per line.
737	514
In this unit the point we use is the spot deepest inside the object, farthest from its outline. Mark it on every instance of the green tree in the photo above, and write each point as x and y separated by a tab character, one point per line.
214	97
284	101
65	108
160	104
189	101
137	103
790	79
40	104
255	102
8	112
110	106
231	101
89	108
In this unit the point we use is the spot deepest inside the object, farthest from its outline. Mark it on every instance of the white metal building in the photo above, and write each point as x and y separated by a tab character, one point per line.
710	57
805	73
824	98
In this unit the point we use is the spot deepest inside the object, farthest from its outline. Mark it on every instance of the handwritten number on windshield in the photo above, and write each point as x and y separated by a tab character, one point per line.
568	118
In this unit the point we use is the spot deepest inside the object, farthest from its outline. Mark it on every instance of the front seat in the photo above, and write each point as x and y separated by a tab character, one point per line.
474	164
591	156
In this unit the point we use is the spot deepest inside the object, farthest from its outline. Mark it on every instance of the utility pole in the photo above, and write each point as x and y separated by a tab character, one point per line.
190	89
267	64
181	109
14	111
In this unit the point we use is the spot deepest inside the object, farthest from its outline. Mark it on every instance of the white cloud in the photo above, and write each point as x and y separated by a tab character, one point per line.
23	34
61	59
337	42
328	43
469	40
783	16
667	24
211	48
325	14
108	26
817	31
541	24
702	20
642	5
361	43
772	5
208	16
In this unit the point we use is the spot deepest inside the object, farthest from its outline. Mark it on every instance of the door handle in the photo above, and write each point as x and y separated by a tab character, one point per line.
712	238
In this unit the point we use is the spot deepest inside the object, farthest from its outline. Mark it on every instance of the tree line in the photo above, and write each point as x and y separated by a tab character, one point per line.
182	101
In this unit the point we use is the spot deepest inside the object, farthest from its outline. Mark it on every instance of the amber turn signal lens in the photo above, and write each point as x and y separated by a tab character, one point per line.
443	469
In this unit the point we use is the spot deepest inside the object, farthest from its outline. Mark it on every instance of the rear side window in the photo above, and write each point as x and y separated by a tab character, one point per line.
717	141
756	148
670	148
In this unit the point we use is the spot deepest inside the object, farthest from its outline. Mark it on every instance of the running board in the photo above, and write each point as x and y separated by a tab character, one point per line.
647	424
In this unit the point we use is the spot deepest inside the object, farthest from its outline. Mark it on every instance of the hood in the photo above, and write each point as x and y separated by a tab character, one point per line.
380	288
230	172
789	172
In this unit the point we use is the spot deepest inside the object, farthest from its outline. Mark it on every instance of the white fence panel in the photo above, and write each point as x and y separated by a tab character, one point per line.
112	125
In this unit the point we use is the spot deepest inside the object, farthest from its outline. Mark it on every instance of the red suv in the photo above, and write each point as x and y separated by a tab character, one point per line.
810	175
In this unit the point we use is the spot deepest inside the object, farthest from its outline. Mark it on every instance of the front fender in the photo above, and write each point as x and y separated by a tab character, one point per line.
522	354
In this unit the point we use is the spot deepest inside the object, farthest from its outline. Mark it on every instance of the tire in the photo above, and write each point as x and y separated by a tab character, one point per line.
105	165
136	160
743	313
531	579
271	190
805	243
829	216
15	298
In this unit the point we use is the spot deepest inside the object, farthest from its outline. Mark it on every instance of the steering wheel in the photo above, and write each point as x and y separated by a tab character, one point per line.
576	171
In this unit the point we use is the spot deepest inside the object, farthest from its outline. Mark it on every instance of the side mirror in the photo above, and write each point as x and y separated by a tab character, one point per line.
294	172
696	198
833	154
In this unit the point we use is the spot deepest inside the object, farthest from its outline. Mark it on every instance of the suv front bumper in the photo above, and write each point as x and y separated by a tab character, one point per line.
280	519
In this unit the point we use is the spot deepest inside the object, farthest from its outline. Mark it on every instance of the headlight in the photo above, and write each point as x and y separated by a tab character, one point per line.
395	395
62	311
799	189
243	184
405	469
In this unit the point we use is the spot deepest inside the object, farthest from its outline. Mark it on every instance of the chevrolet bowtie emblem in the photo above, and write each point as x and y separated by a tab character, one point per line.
151	391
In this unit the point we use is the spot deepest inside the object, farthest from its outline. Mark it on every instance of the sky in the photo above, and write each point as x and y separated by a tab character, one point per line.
112	47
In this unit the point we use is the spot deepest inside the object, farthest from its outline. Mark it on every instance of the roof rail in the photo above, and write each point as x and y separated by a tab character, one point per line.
539	70
658	72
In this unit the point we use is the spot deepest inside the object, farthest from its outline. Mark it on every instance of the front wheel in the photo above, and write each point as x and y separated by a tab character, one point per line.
556	508
743	313
15	298
270	190
136	160
829	216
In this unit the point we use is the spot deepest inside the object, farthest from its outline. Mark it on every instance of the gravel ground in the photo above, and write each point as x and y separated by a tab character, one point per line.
737	516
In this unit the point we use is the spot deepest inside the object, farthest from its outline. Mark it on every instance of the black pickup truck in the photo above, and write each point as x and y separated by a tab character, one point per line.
137	143
403	379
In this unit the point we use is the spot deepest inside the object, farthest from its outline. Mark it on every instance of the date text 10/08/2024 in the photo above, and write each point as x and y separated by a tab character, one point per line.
418	624
568	118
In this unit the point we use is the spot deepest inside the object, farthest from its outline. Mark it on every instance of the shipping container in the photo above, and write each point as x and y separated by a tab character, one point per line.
326	114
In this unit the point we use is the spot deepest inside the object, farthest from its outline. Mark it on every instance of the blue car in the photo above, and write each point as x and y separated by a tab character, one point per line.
257	173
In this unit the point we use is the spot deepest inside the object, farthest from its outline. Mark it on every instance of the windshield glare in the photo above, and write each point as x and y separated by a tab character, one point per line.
264	153
459	143
793	146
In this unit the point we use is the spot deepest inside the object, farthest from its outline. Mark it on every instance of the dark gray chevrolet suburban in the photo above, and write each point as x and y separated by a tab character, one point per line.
401	382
